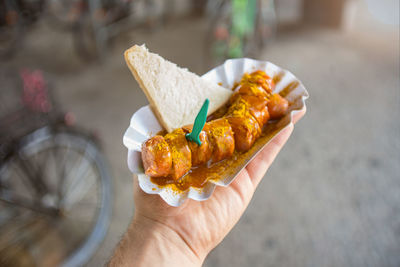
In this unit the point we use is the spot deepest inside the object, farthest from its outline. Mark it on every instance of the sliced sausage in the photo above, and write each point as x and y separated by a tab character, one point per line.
249	89
246	131
245	127
181	155
221	139
257	108
200	154
277	106
156	157
259	78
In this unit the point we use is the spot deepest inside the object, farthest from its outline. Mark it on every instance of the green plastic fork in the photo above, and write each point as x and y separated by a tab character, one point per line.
198	124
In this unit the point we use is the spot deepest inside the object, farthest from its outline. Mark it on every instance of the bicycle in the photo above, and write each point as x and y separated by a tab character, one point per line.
95	22
55	186
238	28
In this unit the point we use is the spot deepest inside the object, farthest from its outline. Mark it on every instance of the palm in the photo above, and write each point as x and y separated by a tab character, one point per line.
204	224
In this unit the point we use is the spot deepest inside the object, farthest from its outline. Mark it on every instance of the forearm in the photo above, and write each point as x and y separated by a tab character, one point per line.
148	243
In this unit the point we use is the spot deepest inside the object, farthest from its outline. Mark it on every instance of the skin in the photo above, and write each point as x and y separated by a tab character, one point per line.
161	235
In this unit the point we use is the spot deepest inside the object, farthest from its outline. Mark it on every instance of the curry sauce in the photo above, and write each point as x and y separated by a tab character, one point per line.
239	106
198	176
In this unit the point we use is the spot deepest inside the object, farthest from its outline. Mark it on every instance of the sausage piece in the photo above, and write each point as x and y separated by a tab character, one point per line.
246	131
181	155
156	157
277	106
221	139
259	78
200	154
245	127
256	105
251	90
257	108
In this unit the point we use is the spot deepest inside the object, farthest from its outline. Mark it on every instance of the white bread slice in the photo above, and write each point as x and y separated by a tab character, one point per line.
175	94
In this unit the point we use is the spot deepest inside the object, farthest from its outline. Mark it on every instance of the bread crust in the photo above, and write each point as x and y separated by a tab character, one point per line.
141	84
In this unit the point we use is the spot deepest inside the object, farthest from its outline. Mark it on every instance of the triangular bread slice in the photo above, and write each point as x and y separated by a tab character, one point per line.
175	94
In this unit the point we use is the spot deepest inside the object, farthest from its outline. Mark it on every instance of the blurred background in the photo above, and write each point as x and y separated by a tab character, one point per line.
331	198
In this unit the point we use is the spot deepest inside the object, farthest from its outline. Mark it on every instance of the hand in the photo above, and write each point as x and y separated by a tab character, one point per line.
186	234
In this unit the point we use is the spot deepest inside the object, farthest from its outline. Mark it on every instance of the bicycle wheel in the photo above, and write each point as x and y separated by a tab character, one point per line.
56	195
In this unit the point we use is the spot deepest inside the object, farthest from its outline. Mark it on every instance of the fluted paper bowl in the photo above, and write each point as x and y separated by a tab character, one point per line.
144	125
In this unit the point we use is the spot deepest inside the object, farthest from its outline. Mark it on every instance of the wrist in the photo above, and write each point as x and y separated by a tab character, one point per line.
151	243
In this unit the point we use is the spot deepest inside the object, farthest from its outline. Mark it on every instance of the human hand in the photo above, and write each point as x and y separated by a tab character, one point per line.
186	234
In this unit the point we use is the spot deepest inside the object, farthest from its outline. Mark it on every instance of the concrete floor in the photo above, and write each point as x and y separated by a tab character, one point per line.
332	197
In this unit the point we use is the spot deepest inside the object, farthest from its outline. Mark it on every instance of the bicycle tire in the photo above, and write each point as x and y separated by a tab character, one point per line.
42	139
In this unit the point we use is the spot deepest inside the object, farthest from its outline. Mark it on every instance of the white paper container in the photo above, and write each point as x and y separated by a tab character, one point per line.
144	124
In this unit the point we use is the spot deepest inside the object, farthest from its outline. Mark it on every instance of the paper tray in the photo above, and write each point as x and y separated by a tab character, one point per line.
144	124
